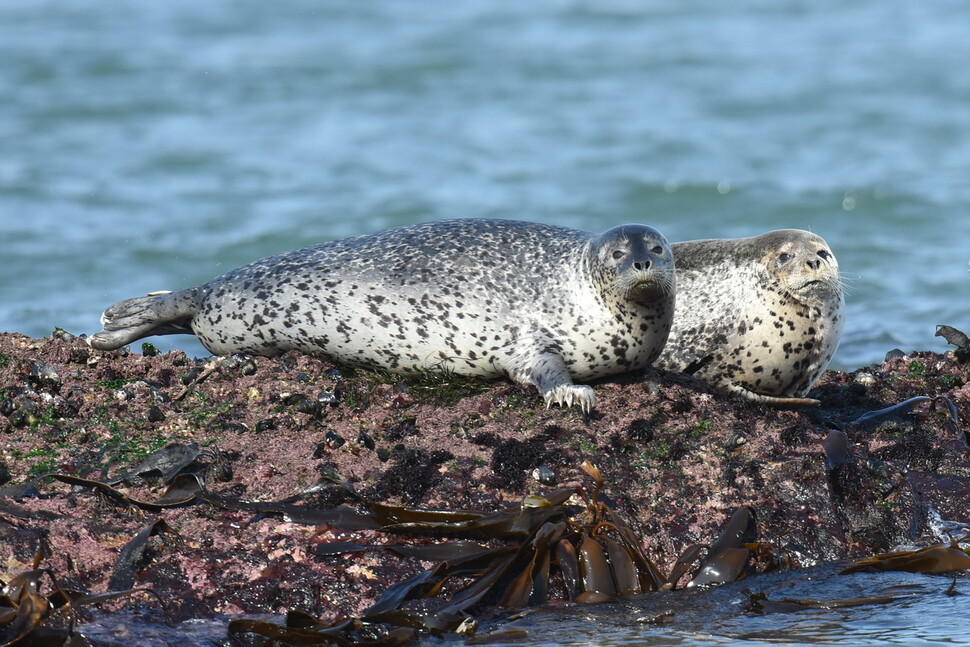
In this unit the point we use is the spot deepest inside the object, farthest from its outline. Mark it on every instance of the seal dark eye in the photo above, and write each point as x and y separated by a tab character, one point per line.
657	250
824	253
784	258
617	254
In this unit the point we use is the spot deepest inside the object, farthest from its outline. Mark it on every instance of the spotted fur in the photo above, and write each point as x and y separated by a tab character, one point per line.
538	303
760	317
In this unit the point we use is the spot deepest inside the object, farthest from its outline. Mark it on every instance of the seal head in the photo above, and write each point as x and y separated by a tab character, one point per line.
638	261
613	317
760	317
541	304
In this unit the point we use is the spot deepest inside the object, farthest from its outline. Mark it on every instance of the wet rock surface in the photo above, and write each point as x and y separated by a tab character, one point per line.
678	459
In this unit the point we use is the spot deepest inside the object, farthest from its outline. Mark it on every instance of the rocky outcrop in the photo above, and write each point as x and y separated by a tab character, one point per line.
678	459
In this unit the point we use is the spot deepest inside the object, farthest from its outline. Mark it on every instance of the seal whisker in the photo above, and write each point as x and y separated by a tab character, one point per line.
845	283
659	283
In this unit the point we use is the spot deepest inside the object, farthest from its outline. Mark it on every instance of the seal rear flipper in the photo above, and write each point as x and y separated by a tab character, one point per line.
159	313
779	402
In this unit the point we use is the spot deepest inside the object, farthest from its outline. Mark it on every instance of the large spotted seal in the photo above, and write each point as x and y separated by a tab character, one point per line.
538	303
760	317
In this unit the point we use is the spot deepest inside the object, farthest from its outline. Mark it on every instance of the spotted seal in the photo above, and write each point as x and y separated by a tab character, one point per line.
760	317
540	304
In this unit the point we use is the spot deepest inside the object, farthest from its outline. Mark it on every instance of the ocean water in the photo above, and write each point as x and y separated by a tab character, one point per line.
148	146
916	610
153	146
923	612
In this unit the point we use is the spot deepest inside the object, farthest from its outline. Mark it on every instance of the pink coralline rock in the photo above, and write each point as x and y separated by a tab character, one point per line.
677	458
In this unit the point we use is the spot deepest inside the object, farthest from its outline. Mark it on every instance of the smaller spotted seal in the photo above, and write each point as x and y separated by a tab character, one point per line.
541	304
760	317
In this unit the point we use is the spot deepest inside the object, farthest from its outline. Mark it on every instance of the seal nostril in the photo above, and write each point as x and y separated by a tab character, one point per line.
640	266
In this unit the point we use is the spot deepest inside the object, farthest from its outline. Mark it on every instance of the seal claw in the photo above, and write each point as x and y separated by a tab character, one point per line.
568	395
779	402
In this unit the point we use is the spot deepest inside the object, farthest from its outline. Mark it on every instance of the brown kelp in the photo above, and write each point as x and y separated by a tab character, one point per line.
29	616
586	552
568	543
938	558
759	603
957	338
906	406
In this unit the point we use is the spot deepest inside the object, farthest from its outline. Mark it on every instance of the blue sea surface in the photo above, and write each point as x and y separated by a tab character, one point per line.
149	146
923	610
153	146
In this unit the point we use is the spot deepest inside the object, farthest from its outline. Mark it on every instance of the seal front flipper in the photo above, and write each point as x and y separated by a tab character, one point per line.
158	313
546	370
778	402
